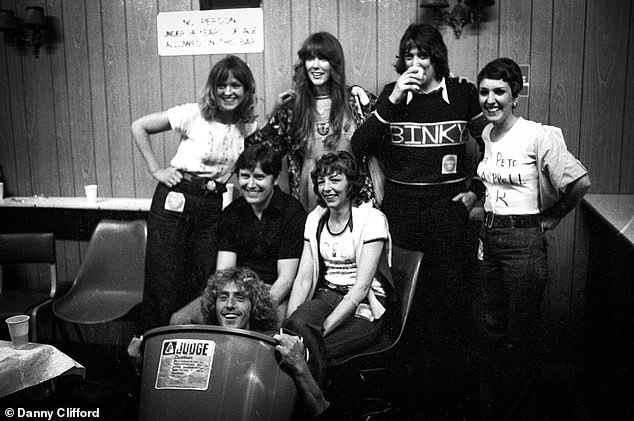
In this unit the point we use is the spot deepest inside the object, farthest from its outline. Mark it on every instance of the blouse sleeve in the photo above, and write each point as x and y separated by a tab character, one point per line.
376	228
557	163
181	116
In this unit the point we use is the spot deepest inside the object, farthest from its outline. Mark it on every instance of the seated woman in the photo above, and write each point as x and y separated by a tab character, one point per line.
337	300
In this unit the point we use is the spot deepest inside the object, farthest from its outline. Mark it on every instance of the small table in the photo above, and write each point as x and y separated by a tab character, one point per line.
69	218
35	364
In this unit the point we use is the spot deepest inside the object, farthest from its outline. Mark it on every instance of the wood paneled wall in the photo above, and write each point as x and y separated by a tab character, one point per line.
65	115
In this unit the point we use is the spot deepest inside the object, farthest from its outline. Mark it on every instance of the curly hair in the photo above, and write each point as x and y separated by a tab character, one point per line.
428	41
503	69
325	46
230	65
341	162
262	317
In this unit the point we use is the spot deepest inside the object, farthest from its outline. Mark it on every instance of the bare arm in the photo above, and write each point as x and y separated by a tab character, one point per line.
303	280
574	193
286	271
141	131
292	351
191	313
366	269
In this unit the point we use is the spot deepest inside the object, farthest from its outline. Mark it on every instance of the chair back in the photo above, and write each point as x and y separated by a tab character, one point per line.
200	372
27	297
109	282
29	248
404	270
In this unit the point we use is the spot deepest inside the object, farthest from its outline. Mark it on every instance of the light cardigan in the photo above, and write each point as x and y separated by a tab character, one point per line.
363	216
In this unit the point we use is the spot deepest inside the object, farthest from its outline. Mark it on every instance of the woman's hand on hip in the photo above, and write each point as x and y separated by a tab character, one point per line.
169	176
549	222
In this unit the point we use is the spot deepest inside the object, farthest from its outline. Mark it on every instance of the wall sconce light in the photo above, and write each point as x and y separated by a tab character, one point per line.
34	31
459	15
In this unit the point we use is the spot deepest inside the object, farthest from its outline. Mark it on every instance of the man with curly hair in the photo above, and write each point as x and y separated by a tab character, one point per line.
237	298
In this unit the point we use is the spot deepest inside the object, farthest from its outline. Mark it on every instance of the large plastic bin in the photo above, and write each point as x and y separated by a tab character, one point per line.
199	372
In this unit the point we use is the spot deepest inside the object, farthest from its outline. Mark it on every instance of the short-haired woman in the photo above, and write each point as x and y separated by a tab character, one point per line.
337	301
532	182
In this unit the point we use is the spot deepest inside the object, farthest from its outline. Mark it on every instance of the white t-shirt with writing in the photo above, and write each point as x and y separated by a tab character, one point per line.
509	171
339	255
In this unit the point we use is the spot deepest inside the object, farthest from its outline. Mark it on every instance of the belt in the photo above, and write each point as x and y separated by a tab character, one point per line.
493	220
205	183
337	288
327	286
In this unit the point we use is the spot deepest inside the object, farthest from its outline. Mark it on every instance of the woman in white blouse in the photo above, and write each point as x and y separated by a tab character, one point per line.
338	299
181	243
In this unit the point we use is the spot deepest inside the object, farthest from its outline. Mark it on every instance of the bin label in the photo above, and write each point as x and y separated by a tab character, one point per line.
185	364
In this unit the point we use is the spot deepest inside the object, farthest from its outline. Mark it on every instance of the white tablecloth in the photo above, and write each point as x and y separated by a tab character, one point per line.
37	363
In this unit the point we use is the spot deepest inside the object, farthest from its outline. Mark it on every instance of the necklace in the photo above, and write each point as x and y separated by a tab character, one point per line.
322	123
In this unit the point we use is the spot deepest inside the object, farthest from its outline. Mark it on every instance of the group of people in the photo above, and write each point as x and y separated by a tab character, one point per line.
364	171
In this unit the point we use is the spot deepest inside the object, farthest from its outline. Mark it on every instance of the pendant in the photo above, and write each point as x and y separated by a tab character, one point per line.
323	128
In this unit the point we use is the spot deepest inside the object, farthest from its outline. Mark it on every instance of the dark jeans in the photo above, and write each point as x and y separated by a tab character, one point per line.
514	273
352	335
181	251
439	331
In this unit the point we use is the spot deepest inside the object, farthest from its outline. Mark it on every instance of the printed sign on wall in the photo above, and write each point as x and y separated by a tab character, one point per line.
222	31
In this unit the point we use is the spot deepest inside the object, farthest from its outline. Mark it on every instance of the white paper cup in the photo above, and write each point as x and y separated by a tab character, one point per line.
227	197
91	193
19	330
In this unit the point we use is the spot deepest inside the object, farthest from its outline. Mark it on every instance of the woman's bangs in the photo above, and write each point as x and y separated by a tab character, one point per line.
332	169
317	50
222	75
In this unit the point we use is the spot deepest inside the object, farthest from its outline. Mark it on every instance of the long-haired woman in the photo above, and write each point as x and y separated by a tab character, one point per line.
181	243
318	115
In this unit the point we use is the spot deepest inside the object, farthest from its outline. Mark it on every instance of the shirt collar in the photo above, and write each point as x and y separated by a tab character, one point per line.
442	85
277	201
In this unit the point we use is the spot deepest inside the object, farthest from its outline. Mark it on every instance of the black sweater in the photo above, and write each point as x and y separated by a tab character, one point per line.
423	145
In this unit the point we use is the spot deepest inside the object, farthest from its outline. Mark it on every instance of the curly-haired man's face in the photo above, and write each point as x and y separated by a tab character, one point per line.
233	309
